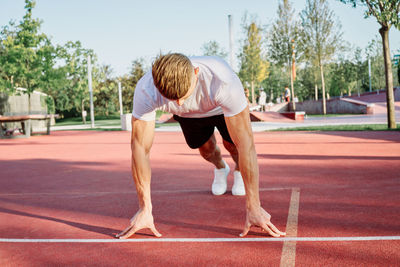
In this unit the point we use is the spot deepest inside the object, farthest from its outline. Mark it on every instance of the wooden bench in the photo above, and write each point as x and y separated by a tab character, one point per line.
25	121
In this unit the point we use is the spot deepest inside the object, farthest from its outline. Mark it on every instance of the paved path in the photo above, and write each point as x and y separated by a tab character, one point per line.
379	117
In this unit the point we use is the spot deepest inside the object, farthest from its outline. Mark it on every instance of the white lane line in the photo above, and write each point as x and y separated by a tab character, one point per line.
288	257
123	192
205	240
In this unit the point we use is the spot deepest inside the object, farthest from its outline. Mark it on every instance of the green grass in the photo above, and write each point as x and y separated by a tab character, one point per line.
353	127
330	115
167	124
73	121
159	113
112	120
102	121
100	129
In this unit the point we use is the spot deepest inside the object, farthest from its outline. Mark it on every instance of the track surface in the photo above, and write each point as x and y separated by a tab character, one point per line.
77	187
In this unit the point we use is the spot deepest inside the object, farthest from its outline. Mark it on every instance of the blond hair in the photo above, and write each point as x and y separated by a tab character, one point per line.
172	75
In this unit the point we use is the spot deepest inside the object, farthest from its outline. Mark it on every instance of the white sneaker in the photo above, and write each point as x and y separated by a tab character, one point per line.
219	184
238	185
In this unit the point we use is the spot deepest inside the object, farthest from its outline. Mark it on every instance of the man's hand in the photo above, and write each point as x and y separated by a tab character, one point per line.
260	218
142	220
141	141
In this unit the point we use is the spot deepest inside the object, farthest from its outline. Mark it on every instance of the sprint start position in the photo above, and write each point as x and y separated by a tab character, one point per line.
202	93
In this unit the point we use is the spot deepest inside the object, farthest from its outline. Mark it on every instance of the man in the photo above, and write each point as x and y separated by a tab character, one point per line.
287	94
262	100
202	93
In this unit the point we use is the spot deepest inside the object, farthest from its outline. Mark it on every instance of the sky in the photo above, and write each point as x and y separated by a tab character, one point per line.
121	31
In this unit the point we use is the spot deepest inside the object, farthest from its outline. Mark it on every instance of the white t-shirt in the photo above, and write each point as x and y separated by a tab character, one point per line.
262	100
218	91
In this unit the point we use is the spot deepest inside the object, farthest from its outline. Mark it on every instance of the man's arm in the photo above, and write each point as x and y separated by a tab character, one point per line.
239	128
141	142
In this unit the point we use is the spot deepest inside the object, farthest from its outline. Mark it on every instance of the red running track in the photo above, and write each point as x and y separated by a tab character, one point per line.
77	186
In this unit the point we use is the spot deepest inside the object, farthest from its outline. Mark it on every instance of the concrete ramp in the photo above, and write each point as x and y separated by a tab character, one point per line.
269	116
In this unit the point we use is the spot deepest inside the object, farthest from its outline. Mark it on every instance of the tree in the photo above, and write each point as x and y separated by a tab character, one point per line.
105	91
128	83
27	56
253	65
307	83
72	92
212	48
7	58
374	53
321	37
361	70
343	77
284	32
274	83
386	13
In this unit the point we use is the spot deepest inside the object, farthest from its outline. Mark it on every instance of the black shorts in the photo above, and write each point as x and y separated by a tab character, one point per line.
197	131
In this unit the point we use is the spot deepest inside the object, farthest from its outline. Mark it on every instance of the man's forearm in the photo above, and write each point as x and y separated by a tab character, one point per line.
141	141
250	173
141	173
239	128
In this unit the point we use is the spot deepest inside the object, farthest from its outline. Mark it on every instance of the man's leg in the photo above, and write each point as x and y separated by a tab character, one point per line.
199	133
233	151
211	152
238	185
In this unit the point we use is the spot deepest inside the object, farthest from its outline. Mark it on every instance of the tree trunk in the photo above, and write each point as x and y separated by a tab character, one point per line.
292	87
253	97
271	96
316	92
29	104
384	31
83	112
106	109
323	89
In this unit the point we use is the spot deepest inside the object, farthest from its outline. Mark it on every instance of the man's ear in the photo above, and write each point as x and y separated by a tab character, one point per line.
179	102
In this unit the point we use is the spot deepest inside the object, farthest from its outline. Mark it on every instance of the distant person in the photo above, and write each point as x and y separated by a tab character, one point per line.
262	99
202	93
287	94
247	93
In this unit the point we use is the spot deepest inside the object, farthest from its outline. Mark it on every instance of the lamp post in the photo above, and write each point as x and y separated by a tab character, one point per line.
231	57
121	111
293	75
90	92
369	75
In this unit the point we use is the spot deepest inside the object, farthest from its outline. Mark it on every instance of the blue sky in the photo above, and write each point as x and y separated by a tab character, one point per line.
121	31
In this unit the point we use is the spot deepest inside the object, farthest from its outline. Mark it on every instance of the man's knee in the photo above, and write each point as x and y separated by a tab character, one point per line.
208	149
230	147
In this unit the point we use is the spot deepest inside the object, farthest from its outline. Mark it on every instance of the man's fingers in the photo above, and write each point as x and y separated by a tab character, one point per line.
264	228
124	232
272	226
269	231
245	230
129	233
155	232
